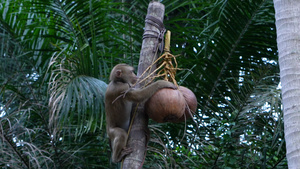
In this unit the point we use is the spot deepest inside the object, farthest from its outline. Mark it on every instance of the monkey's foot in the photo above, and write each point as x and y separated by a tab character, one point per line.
125	152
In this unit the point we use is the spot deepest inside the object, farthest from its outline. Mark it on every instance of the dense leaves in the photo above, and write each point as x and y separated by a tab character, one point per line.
56	57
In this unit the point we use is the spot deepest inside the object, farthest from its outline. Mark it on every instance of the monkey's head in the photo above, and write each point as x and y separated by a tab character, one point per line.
123	73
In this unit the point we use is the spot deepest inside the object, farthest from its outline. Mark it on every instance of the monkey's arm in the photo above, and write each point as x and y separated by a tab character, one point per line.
140	95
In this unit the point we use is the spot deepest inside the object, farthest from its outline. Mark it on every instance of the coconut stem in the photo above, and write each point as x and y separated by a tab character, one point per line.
167	41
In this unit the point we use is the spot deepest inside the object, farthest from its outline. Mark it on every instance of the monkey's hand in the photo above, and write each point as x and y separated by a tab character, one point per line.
166	84
122	95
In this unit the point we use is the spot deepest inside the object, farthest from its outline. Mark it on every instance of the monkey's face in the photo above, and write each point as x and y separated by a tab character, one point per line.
132	77
127	75
123	73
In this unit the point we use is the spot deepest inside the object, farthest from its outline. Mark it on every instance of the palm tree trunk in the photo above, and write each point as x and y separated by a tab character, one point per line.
139	133
287	16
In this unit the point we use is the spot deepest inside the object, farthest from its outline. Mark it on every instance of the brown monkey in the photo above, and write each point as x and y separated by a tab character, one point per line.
118	109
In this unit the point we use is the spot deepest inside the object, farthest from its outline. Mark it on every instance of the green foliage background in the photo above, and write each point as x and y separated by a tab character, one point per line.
55	59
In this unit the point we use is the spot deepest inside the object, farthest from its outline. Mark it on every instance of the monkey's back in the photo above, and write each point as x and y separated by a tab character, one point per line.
116	107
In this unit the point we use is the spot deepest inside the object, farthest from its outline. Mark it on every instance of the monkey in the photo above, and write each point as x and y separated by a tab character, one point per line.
118	109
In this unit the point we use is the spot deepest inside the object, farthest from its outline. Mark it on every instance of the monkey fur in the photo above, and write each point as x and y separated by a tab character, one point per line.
118	109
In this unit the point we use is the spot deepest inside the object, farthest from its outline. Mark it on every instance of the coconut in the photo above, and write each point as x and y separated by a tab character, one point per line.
191	103
166	105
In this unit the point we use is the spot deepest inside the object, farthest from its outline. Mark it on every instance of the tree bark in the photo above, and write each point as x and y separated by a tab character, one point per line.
287	16
138	135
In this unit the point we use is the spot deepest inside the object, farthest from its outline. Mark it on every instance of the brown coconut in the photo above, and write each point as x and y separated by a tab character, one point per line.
191	103
166	105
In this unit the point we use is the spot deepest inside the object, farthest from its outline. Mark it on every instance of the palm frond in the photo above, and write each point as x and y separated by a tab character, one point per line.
72	97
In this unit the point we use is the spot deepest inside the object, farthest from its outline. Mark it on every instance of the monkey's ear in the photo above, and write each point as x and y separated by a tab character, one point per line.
118	73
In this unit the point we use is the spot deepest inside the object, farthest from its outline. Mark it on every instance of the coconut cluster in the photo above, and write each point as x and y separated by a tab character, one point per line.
169	105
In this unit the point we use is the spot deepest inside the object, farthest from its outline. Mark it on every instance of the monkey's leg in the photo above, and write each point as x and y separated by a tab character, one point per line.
118	138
